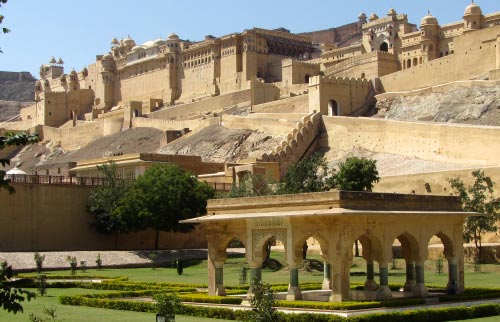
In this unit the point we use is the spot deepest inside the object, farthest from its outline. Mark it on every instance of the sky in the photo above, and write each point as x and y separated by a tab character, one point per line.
77	30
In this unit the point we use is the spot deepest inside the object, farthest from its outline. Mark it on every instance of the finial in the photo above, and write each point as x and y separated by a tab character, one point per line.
428	12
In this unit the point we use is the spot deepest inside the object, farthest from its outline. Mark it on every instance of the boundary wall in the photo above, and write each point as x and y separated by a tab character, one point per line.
453	143
54	218
296	104
269	123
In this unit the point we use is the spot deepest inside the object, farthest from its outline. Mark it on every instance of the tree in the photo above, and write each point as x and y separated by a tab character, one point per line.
4	30
11	297
251	185
478	197
308	175
103	200
263	303
355	174
11	139
160	198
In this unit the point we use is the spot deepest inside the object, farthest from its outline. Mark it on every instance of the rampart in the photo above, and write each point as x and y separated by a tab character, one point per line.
454	143
474	56
296	104
372	65
213	104
269	123
54	218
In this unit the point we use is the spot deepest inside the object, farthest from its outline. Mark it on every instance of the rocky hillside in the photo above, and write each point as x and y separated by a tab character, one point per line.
16	91
474	105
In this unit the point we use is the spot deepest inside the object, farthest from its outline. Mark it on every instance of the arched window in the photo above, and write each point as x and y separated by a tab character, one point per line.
384	47
415	61
408	63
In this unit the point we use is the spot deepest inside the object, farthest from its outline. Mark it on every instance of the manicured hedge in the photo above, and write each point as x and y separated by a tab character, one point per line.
350	305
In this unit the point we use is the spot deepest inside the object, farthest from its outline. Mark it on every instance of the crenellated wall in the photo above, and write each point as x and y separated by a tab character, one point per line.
300	141
330	95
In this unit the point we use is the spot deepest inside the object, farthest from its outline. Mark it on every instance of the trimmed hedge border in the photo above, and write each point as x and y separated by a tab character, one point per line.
349	305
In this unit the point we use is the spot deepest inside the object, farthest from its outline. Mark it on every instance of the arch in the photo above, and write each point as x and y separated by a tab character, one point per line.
408	63
384	47
135	113
306	78
415	61
333	108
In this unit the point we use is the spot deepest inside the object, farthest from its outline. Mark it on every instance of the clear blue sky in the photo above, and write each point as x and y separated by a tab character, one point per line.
77	30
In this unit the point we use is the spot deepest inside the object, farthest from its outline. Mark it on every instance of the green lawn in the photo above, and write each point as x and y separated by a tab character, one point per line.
490	319
197	274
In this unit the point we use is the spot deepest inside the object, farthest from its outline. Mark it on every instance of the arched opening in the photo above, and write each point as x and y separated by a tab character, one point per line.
405	248
306	79
259	73
135	113
408	63
333	108
384	47
415	61
236	268
443	261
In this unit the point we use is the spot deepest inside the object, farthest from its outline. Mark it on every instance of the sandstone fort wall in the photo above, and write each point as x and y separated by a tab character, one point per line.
54	218
463	144
297	104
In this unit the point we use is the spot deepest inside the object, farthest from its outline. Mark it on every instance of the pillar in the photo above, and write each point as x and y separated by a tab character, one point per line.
420	289
410	276
294	292
255	276
370	284
452	286
219	280
384	292
327	282
340	279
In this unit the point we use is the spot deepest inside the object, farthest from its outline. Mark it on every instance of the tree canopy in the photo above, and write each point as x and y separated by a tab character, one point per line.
160	198
355	174
103	200
4	29
308	175
478	197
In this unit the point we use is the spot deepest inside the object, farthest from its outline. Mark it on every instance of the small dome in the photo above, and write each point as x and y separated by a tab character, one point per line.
362	16
135	48
429	20
53	60
473	10
114	41
15	170
73	72
173	36
373	16
60	61
129	41
159	41
391	12
108	56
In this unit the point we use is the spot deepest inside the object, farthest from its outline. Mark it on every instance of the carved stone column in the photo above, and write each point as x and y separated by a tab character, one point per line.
420	289
294	292
410	276
370	284
384	292
327	282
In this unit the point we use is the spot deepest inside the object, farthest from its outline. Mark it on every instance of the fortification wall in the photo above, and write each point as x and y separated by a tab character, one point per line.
443	88
202	107
435	183
54	218
264	92
270	125
165	125
300	141
370	65
144	82
338	96
18	125
474	56
297	104
454	143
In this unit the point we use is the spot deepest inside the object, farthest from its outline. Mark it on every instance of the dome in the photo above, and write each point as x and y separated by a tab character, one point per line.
159	41
60	61
114	41
473	9
391	12
173	36
362	16
129	41
373	16
429	20
15	170
135	48
108	56
53	60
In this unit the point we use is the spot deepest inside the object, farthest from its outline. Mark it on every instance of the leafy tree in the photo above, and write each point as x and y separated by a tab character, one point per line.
104	199
251	185
263	303
10	139
308	175
4	30
478	197
355	174
11	297
160	198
